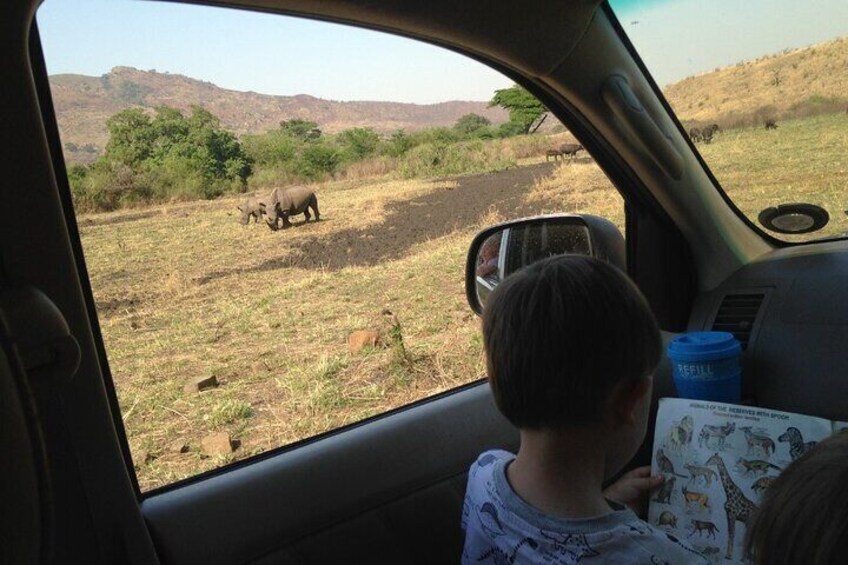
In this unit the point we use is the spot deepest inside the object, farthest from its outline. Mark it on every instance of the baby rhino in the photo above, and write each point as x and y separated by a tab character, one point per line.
283	203
252	208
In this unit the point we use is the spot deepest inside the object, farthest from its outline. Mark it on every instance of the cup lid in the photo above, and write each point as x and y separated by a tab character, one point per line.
703	346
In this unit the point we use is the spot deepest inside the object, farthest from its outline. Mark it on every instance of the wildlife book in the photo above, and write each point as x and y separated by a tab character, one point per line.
718	459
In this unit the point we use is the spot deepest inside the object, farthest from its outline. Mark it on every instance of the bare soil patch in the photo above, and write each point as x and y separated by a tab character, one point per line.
407	223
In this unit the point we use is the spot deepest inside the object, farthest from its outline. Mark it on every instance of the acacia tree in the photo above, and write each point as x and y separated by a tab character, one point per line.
522	106
301	129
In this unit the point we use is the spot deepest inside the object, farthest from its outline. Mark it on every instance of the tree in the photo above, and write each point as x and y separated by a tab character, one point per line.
318	159
166	156
399	143
131	137
522	106
470	123
301	129
359	143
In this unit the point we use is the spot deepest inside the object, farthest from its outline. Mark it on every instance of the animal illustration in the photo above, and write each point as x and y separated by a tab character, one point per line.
570	149
568	548
699	498
663	495
488	515
283	203
710	551
797	447
758	441
771	124
755	466
719	433
555	153
680	435
252	208
701	526
761	484
501	558
667	519
665	465
737	506
696	472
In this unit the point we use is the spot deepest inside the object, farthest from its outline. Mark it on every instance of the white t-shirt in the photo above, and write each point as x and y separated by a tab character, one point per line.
501	528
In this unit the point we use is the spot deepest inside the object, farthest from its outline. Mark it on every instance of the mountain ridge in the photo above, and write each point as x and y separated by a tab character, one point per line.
84	103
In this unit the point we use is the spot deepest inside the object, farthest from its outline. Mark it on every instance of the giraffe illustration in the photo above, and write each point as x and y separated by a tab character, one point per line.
737	507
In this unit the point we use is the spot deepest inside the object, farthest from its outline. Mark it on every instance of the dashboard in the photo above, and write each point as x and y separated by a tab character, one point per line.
790	310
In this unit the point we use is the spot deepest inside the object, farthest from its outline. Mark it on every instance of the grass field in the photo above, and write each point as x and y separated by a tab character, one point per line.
801	161
184	291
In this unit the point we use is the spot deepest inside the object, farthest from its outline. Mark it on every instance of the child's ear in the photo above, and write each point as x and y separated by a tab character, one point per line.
628	399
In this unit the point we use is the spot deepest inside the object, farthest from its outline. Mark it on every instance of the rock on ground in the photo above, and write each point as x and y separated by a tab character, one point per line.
217	445
199	384
360	339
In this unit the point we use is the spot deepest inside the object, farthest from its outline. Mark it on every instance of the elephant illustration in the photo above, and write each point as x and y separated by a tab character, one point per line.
282	203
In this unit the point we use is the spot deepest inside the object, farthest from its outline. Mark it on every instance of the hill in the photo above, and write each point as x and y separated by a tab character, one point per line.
84	103
792	84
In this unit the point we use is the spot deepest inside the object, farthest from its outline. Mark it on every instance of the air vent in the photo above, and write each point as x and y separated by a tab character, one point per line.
737	314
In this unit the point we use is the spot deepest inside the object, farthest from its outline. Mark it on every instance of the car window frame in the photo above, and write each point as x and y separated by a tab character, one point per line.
610	162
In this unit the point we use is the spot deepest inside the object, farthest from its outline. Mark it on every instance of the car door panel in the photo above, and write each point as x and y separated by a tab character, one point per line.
391	479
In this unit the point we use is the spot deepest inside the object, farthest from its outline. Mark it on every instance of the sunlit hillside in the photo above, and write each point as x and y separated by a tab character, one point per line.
791	84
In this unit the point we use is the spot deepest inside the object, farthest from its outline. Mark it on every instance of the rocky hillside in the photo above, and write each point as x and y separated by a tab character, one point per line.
794	83
84	103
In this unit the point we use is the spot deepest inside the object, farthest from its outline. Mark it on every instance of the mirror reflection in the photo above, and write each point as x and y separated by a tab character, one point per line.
512	248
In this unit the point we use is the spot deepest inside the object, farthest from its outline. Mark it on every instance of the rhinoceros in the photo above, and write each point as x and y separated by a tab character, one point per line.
282	203
252	207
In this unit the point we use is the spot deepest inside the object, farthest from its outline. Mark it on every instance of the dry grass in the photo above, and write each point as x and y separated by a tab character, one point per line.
791	83
184	291
579	187
801	161
275	338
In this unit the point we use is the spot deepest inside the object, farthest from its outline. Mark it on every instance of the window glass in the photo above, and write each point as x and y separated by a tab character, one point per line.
226	339
760	86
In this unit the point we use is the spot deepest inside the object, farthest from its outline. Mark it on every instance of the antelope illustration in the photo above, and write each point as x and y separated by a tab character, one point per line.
700	499
719	433
758	441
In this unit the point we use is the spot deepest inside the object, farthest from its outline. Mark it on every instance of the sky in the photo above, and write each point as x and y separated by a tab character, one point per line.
280	55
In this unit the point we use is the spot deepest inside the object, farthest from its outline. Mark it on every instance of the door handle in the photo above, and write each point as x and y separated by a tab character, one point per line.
39	333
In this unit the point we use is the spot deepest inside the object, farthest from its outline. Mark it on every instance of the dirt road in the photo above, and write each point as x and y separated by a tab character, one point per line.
415	221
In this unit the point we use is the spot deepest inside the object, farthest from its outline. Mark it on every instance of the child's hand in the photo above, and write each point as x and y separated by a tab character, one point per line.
633	488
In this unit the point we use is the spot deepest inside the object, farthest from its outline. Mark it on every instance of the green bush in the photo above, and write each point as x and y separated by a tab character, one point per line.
441	159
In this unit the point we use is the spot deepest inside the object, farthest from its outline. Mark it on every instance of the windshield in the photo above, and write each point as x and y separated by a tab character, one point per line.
760	87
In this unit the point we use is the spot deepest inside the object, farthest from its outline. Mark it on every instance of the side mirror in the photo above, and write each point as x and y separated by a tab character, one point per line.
501	250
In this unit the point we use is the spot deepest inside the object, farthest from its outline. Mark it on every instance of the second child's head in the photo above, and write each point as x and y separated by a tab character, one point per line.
803	517
571	343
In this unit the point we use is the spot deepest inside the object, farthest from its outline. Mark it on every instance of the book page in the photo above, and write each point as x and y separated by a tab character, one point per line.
718	459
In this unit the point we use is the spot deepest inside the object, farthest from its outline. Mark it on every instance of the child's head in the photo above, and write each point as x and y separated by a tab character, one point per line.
561	336
491	247
803	517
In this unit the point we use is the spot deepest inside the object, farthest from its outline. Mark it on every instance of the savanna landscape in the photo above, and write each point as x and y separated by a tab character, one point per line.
184	292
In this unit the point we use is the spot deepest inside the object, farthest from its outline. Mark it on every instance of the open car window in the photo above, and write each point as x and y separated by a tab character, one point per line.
760	88
227	339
